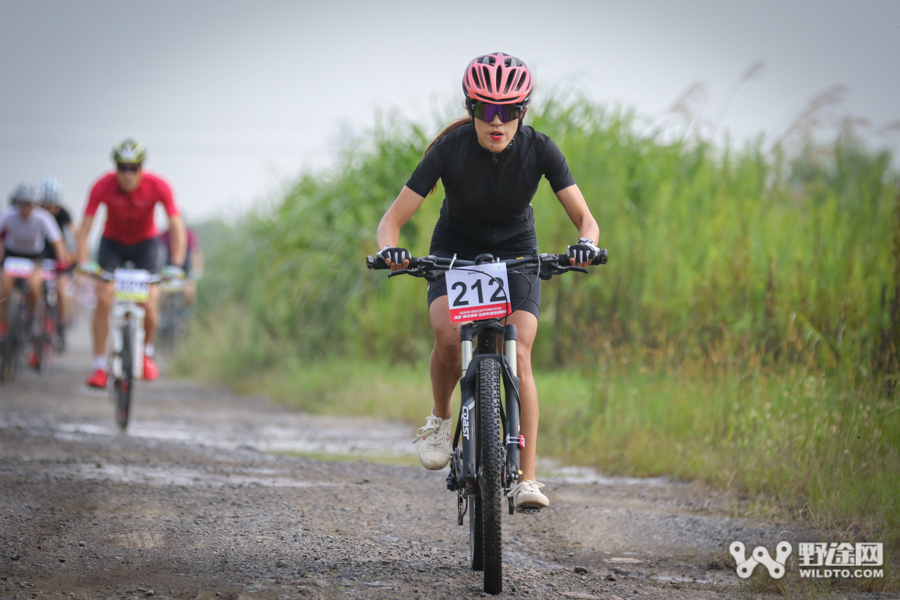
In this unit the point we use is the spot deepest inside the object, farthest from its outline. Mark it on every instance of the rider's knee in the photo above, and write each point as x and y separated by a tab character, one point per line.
104	303
447	344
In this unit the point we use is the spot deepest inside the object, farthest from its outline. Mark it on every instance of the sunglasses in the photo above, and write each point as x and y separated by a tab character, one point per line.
486	112
123	168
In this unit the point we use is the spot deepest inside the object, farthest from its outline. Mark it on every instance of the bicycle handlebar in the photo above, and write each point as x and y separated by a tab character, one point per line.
111	275
430	266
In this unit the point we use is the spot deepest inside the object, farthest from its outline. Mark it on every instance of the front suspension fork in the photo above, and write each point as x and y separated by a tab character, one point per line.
513	440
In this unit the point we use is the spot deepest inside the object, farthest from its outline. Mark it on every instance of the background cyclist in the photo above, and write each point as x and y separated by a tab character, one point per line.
26	228
51	201
130	234
193	261
490	165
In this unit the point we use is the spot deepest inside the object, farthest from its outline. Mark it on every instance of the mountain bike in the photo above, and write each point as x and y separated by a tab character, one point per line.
484	464
24	327
46	336
126	341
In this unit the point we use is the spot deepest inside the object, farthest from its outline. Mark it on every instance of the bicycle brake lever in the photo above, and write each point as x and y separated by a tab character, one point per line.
559	270
413	272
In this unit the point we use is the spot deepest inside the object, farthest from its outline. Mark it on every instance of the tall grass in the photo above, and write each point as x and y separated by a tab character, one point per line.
744	331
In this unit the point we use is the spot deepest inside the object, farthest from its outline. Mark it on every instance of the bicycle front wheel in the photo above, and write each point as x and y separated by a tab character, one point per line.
10	348
123	386
490	480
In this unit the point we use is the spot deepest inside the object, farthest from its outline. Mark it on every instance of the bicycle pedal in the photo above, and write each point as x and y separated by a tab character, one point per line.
529	510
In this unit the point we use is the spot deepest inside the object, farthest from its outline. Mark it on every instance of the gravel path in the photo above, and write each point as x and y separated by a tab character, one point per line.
214	496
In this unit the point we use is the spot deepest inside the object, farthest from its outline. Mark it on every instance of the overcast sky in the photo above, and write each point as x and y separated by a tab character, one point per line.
232	98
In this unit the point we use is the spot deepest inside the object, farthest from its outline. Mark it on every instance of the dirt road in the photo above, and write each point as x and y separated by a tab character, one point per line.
212	496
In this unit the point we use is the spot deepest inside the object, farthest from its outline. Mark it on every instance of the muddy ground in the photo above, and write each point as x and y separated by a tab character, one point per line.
209	495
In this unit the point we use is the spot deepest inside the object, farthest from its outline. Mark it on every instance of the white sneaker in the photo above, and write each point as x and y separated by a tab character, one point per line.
434	451
527	494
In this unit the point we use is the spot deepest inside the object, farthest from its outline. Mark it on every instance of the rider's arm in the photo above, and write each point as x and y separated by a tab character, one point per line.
401	211
62	253
576	207
53	234
179	239
82	237
69	236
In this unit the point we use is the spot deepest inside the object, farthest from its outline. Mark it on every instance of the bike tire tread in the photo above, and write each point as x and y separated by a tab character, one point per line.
489	382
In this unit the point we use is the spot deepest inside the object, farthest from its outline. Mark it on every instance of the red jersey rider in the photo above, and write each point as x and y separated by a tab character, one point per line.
130	195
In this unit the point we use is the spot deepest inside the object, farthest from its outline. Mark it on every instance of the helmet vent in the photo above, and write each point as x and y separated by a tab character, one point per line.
487	78
520	82
499	77
511	82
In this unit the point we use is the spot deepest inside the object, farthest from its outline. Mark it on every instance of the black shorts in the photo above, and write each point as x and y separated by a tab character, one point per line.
13	254
524	288
113	255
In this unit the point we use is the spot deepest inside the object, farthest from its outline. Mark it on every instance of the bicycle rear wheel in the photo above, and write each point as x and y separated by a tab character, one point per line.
122	386
490	480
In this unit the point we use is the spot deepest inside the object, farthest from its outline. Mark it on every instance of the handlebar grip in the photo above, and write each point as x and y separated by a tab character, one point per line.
377	263
600	259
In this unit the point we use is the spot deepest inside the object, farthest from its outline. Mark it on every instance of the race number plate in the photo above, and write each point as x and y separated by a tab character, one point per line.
18	267
478	292
132	284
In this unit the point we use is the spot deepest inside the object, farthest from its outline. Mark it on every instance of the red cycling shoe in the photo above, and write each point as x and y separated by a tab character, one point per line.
97	379
151	371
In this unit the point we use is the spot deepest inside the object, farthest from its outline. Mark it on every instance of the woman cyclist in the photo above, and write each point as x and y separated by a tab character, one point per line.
490	165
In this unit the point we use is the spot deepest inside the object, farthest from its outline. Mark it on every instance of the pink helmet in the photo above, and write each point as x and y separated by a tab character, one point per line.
499	79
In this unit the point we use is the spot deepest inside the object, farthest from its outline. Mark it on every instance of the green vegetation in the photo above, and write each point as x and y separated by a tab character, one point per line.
744	332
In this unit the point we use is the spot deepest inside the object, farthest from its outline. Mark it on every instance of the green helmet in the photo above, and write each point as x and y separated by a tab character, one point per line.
129	152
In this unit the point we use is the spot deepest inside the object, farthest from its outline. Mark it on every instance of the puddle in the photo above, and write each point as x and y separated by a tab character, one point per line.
624	560
551	470
181	476
672	579
319	438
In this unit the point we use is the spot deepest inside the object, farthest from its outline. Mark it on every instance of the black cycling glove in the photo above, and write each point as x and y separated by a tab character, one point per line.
584	251
395	255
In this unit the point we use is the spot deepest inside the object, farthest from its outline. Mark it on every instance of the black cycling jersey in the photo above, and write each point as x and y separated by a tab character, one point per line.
63	218
488	195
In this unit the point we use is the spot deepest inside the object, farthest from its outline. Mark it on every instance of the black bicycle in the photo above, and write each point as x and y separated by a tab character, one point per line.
484	465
